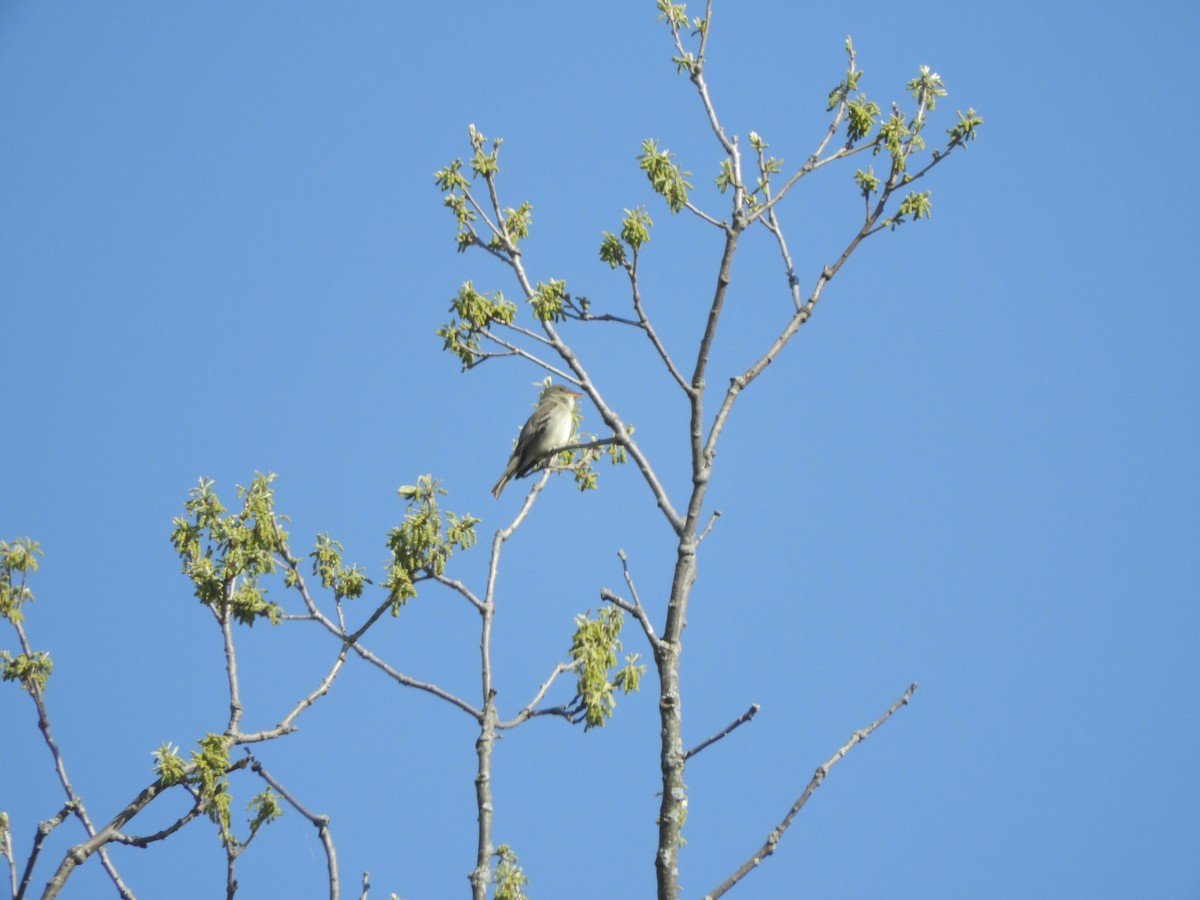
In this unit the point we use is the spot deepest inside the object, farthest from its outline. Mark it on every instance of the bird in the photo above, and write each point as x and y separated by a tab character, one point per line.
549	428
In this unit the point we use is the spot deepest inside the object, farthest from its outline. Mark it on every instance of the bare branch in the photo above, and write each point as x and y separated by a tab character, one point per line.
644	320
590	445
455	585
43	831
690	207
483	215
222	616
799	317
143	842
514	350
707	528
635	608
74	802
519	329
321	821
414	683
371	620
740	720
285	725
822	770
528	711
6	850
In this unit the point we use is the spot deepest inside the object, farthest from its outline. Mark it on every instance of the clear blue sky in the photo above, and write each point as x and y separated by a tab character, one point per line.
221	250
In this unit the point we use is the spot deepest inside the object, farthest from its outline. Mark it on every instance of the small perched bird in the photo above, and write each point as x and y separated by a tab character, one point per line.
548	428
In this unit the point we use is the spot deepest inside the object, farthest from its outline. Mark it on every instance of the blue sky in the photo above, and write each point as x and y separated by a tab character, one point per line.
221	251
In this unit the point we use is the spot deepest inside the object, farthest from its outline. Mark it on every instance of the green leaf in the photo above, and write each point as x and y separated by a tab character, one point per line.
224	556
547	300
861	114
964	130
926	88
30	670
594	646
211	761
509	879
347	582
666	178
611	250
168	765
675	14
424	541
266	809
724	179
17	559
473	313
866	181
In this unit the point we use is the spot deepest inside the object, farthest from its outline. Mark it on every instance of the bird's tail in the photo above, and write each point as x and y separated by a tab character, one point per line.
498	487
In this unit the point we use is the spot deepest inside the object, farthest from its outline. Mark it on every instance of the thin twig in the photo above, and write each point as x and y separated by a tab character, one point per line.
320	821
514	350
285	725
822	770
635	608
414	683
43	831
455	585
147	840
528	711
692	208
631	269
707	528
740	720
814	161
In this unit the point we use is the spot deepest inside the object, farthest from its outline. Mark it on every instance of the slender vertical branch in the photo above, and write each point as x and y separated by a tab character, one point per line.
43	831
6	851
481	875
74	802
235	702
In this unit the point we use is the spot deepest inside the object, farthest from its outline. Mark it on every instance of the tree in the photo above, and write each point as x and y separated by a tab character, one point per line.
229	557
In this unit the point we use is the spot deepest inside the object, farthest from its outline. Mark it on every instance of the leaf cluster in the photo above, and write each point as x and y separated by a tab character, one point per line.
424	541
594	646
30	670
509	878
511	228
207	772
899	135
635	231
473	313
547	300
224	556
265	808
675	15
666	178
346	582
17	558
